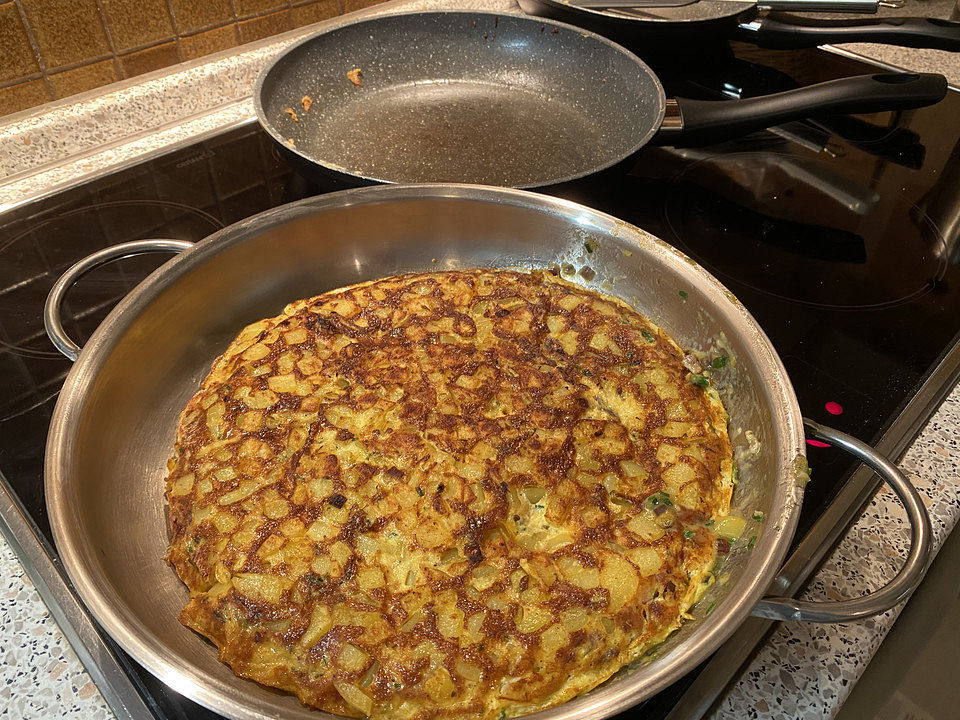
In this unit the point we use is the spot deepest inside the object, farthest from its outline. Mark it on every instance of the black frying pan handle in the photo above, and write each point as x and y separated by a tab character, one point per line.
787	32
708	121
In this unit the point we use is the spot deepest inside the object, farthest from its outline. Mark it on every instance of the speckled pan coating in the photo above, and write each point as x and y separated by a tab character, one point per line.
463	97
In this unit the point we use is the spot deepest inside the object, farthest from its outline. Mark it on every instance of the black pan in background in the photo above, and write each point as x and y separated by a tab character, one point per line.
472	97
682	30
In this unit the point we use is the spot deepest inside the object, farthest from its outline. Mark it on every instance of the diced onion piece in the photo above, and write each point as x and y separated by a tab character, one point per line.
632	468
556	540
531	619
534	494
473	626
468	671
370	674
352	658
354	696
450	622
320	624
411	622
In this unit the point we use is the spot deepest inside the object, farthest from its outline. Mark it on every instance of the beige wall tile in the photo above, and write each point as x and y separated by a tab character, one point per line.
153	58
265	26
199	14
245	8
66	31
134	23
211	41
87	77
314	12
17	58
23	96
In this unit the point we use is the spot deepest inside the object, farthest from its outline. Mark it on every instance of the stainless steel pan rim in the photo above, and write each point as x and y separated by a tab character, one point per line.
183	674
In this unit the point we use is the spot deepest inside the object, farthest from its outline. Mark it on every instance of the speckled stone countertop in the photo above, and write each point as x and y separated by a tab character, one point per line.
804	671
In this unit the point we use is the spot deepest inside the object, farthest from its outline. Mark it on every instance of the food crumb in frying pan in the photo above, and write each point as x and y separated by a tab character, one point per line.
290	142
291	113
306	102
555	31
356	77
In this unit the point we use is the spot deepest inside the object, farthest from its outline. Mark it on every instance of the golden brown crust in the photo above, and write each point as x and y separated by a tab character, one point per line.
445	495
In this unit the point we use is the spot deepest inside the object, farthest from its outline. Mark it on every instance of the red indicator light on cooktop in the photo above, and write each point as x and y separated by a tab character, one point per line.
817	443
834	408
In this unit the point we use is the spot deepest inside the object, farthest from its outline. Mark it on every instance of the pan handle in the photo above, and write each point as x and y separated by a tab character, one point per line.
51	309
903	583
789	32
702	122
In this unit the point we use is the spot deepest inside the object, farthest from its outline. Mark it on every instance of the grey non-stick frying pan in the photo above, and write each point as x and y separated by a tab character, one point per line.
506	100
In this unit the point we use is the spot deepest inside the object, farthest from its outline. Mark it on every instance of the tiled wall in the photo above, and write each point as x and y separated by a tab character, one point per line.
50	49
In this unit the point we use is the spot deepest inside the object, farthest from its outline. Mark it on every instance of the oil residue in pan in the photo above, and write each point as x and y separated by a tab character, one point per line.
456	131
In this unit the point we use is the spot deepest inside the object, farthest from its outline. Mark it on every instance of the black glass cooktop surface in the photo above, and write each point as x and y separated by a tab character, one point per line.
839	234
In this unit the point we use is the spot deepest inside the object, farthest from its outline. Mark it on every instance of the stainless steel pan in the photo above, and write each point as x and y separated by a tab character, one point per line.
114	423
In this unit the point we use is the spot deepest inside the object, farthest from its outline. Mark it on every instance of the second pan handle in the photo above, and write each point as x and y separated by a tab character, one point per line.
788	32
52	320
701	122
906	580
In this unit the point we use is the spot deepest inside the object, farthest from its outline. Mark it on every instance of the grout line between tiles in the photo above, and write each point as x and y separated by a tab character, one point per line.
20	80
113	48
41	63
176	30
